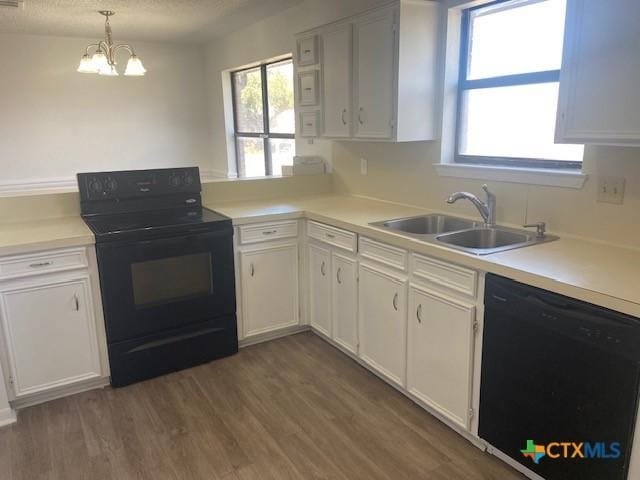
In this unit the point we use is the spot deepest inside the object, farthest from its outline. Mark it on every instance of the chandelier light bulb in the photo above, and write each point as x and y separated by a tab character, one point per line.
87	65
110	71
100	62
135	67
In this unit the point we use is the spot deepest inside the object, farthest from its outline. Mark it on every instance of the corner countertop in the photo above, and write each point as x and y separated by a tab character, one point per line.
36	235
597	273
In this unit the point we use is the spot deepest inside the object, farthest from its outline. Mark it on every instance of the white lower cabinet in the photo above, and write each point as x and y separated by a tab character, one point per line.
344	304
320	288
52	330
50	333
269	285
440	352
382	321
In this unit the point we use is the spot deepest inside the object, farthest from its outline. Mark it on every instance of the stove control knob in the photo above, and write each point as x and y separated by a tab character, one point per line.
95	185
175	181
188	179
111	185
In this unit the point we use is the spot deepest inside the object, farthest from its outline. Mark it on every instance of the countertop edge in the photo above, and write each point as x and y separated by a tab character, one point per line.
481	263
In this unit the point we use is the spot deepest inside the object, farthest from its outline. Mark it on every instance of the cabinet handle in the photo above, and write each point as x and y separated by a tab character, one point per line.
307	51
395	302
339	276
360	111
419	313
269	232
77	302
252	270
330	235
323	269
40	264
344	112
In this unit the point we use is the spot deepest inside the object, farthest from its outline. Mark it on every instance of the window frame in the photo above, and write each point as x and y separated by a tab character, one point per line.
266	135
465	84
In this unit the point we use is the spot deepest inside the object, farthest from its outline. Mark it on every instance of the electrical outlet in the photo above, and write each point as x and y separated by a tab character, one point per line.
364	167
611	190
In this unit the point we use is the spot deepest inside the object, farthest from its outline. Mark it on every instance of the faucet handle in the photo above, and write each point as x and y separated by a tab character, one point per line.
541	228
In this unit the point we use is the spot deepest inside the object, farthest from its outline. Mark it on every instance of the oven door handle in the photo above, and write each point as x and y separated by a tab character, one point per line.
182	238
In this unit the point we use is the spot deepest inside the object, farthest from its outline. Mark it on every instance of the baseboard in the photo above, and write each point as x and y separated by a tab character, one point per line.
265	337
7	417
60	392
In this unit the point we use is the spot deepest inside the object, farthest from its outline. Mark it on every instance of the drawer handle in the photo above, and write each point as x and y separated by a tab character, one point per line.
307	51
307	89
308	124
339	276
252	270
330	235
40	264
77	302
344	112
395	302
269	232
323	269
419	313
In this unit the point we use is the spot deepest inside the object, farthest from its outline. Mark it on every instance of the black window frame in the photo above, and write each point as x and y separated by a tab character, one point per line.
266	135
465	84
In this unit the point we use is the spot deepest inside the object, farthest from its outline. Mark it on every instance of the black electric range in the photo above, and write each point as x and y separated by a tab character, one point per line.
166	271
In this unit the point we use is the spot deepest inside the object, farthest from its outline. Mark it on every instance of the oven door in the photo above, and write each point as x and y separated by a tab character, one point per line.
166	283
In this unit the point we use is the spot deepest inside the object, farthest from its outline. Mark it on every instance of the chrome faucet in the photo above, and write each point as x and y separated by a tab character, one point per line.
487	210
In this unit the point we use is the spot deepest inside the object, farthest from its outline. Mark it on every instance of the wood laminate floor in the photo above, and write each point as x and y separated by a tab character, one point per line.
291	408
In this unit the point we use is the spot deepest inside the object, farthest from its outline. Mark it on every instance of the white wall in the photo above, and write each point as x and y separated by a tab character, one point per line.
263	40
57	122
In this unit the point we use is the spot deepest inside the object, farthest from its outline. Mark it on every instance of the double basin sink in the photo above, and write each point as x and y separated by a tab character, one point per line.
462	234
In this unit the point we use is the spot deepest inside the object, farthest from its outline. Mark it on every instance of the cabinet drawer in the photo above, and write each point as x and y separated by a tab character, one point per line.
308	51
308	88
382	253
333	236
264	232
309	124
444	274
35	264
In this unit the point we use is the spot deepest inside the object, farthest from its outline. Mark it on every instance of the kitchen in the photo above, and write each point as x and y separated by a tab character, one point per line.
181	298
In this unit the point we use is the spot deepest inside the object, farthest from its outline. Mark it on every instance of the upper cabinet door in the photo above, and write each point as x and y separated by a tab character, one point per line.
374	87
337	81
599	101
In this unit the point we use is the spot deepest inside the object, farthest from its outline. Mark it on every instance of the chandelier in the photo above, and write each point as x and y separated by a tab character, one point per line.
103	61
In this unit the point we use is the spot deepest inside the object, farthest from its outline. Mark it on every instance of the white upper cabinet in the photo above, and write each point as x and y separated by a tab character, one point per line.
599	101
374	75
379	73
337	81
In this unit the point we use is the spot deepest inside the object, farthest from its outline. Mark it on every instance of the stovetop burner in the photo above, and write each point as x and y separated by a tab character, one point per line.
142	204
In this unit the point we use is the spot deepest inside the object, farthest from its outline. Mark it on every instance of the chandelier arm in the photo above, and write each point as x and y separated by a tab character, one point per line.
125	46
96	45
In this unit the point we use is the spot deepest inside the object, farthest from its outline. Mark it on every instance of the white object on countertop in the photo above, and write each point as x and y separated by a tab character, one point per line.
304	165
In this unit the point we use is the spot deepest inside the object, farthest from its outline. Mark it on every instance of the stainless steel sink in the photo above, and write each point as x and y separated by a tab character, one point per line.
461	234
483	241
427	224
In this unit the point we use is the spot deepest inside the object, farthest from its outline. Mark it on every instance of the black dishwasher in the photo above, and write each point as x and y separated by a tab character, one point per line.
560	382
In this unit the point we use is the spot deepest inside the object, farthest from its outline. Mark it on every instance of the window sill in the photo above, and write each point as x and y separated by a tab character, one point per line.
530	176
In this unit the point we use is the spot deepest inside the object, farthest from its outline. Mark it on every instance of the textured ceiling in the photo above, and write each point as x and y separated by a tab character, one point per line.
180	21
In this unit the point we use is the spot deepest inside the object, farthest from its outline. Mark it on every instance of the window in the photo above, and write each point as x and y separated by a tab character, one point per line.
508	87
264	119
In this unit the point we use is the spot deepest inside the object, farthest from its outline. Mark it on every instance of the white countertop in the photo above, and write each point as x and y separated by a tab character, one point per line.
36	235
593	272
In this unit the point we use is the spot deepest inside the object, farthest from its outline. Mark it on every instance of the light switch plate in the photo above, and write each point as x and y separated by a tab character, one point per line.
611	190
